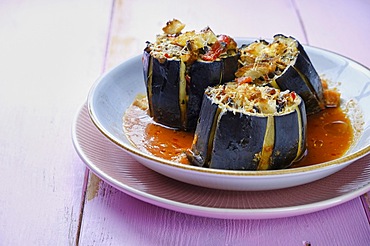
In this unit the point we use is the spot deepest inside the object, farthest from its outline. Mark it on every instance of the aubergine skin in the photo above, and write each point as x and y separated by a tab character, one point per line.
315	102
304	80
164	104
230	65
284	153
145	59
162	80
199	153
234	147
203	74
234	141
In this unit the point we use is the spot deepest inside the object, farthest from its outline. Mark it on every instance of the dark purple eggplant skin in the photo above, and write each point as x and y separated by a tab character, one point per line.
202	75
237	138
204	129
164	102
303	78
164	105
234	142
284	154
230	66
315	85
145	59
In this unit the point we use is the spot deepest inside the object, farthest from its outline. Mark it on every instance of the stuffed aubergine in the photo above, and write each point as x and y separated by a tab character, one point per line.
283	64
249	127
179	66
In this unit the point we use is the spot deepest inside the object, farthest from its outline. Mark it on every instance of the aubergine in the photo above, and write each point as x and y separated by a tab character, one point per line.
249	127
178	67
283	64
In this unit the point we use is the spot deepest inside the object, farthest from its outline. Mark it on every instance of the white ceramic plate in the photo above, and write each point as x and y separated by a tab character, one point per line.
115	167
112	94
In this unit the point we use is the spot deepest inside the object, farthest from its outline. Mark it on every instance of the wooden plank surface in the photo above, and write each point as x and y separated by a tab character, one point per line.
341	27
135	22
49	57
52	52
121	219
112	217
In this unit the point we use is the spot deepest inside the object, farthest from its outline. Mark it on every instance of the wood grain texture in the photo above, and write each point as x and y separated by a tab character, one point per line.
366	204
52	52
113	218
341	27
135	22
50	55
121	219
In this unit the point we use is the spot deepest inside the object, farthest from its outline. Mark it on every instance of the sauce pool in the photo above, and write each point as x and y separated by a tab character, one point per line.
329	135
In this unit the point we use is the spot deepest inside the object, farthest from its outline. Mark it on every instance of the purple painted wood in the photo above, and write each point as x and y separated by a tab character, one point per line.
112	217
340	27
50	55
365	199
342	31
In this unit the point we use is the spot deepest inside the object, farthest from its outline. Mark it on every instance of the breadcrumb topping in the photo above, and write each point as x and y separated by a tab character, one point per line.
251	99
263	61
190	46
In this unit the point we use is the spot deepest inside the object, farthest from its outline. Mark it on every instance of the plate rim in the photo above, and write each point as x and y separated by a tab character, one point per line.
210	212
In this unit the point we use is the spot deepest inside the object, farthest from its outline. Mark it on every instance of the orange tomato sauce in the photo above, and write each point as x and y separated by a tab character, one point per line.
151	137
329	135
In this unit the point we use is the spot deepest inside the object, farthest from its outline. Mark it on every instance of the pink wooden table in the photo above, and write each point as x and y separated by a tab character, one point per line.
50	55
